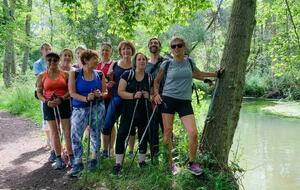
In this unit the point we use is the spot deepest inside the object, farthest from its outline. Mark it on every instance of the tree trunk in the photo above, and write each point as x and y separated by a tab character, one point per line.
27	31
9	65
223	114
12	53
51	22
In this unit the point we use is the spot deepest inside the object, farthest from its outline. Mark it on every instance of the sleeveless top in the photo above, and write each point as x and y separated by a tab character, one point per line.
117	73
57	86
105	68
133	86
84	87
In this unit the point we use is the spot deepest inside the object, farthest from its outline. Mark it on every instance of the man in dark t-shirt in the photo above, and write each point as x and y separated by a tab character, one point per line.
152	68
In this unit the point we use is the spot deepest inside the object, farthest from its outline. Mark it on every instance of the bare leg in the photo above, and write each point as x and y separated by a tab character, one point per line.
54	137
190	126
168	120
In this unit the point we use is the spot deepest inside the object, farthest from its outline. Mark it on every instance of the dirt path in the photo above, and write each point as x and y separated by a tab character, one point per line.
23	159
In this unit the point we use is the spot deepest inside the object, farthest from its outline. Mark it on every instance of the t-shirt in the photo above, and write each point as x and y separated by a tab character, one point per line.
178	83
39	66
153	70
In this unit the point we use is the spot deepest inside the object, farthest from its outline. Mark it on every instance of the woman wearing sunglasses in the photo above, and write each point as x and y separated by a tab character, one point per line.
52	90
177	96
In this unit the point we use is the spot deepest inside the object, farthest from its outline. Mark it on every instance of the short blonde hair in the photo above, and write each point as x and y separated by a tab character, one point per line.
65	50
174	38
126	43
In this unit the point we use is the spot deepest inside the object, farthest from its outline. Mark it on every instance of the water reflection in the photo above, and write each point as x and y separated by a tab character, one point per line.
269	151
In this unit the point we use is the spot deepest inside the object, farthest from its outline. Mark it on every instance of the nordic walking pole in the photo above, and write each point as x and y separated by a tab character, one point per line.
142	138
130	127
149	133
57	117
89	139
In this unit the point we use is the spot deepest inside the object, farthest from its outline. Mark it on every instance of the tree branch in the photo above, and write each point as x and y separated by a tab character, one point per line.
209	25
292	20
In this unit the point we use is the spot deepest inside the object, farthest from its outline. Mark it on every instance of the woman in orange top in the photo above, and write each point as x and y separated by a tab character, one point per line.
52	90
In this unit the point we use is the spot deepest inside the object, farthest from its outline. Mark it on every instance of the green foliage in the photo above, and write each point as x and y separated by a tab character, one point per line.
257	84
280	49
19	98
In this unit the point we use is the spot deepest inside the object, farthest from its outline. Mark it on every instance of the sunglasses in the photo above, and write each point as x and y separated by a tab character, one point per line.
52	59
176	45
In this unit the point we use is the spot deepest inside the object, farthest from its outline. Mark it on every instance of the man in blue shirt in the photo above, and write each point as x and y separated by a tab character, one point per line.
39	67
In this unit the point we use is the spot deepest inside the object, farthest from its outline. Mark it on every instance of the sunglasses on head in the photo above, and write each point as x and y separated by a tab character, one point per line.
176	45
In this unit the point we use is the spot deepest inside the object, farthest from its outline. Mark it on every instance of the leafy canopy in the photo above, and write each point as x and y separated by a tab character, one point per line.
124	16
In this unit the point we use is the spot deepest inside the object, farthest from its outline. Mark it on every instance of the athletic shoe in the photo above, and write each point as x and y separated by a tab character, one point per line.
130	155
52	156
71	161
175	170
142	164
117	169
65	158
75	171
58	163
93	165
104	154
194	168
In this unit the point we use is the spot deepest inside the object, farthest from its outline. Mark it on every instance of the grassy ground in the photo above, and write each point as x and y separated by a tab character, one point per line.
158	176
19	100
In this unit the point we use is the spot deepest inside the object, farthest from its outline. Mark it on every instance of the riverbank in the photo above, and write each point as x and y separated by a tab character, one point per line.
285	109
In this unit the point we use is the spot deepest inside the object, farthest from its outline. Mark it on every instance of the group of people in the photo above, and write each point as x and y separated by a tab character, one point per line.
90	96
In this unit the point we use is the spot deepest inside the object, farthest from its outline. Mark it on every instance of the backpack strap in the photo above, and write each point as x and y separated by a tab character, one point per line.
191	63
131	75
77	73
99	74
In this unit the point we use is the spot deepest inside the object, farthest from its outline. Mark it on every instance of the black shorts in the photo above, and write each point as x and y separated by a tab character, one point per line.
64	110
172	105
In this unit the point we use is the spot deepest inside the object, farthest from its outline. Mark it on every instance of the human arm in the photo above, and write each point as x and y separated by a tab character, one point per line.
156	84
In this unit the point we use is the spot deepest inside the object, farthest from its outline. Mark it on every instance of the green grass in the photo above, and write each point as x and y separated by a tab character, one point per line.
159	176
19	99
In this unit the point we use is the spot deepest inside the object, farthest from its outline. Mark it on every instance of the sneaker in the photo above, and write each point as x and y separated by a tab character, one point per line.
65	158
194	168
75	171
142	164
71	161
52	156
58	163
117	169
93	165
130	155
175	170
104	154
